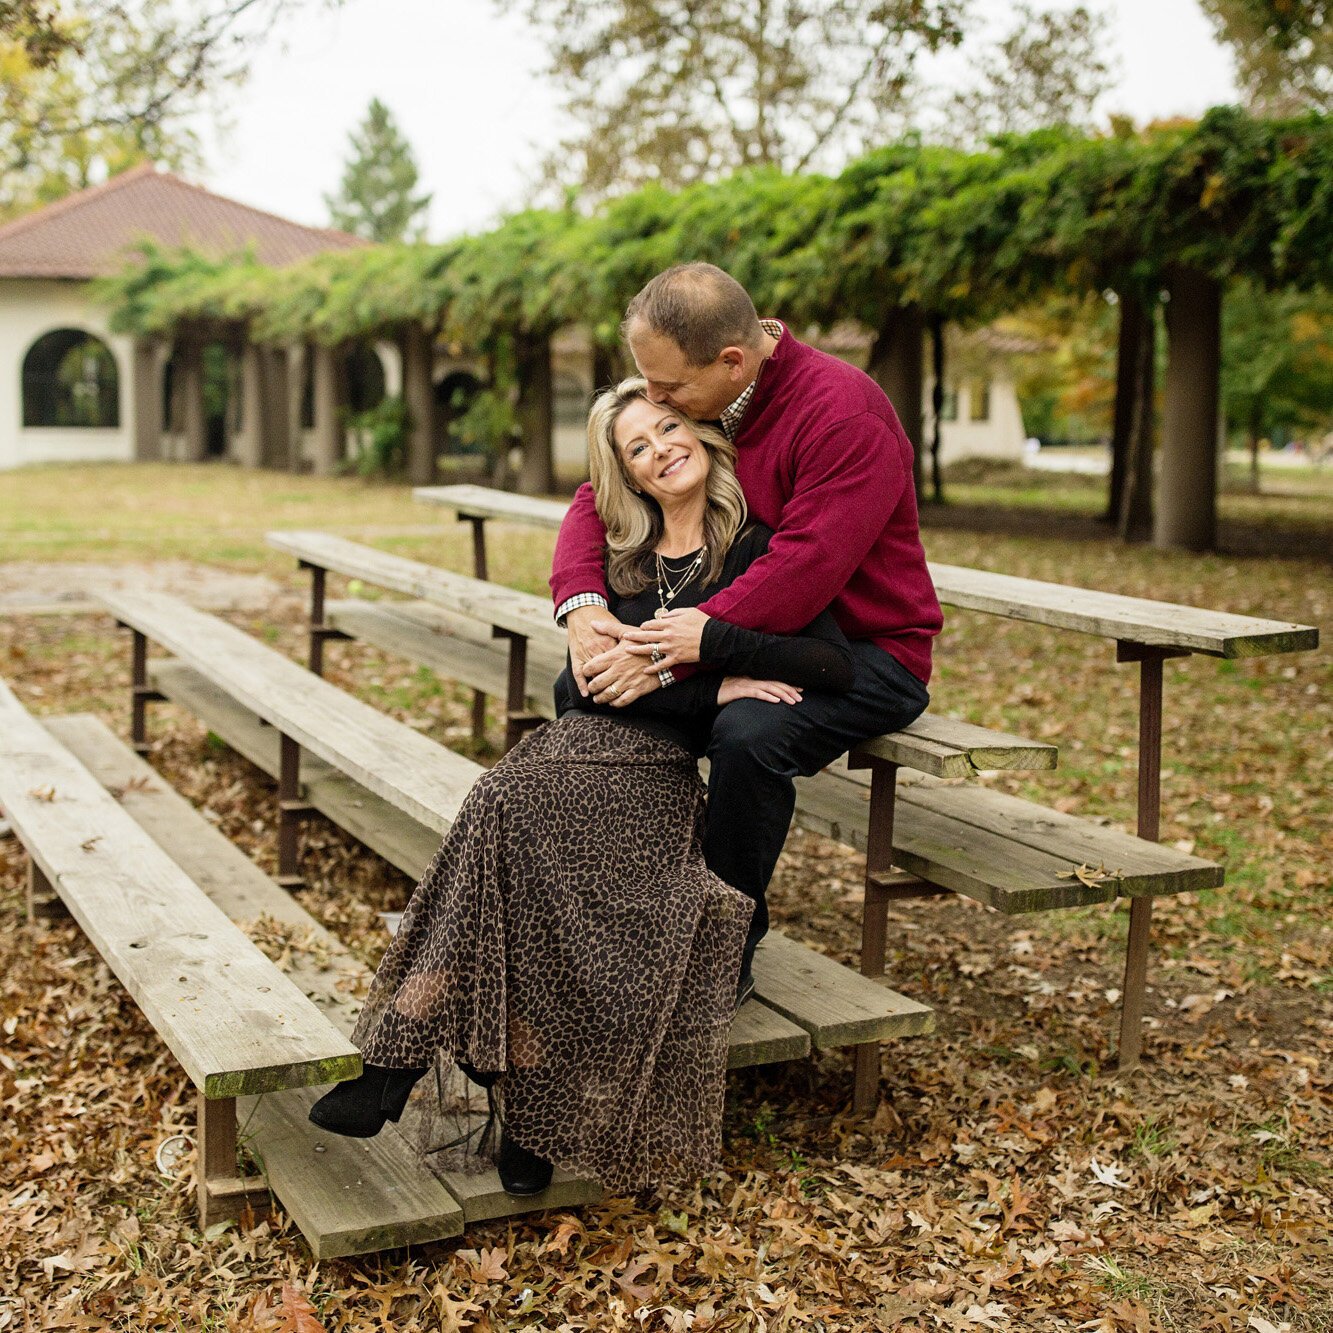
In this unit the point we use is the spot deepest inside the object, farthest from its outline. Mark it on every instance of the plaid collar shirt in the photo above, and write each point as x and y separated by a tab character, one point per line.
730	419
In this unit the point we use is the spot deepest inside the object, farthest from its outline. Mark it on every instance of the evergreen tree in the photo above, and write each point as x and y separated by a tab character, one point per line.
376	198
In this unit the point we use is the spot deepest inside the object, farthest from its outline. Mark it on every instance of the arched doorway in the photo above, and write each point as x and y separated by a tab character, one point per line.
70	380
363	374
454	394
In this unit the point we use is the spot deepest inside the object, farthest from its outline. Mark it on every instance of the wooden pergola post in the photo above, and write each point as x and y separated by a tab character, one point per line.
188	389
296	355
328	422
536	416
897	365
148	423
418	351
1186	517
250	444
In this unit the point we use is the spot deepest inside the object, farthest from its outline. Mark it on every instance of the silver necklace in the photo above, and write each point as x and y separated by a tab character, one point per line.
667	592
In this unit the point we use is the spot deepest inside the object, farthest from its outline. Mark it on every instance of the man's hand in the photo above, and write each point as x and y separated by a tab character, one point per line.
617	677
592	630
669	641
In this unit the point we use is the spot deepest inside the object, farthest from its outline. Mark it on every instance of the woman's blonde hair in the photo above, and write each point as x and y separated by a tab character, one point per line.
632	519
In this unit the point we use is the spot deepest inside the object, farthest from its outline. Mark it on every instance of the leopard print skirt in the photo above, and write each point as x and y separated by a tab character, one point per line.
568	935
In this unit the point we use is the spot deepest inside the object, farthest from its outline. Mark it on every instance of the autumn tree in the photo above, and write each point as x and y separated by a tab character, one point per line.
1049	69
89	88
376	198
1283	50
677	91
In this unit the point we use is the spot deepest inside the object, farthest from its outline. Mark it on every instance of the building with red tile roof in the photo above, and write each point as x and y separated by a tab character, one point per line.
72	390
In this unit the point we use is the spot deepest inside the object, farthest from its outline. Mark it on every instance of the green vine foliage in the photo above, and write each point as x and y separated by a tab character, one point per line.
963	235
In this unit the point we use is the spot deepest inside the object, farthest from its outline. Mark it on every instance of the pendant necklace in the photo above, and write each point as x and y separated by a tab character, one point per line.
667	592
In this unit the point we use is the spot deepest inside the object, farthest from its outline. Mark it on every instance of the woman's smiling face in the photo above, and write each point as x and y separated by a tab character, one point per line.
662	456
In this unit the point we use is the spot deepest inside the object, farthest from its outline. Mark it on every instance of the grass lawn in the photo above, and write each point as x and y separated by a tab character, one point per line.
1010	1179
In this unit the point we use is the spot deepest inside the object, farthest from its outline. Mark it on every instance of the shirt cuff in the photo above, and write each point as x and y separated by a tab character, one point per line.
665	678
578	600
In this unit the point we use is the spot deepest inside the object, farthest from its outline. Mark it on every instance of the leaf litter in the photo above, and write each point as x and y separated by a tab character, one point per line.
1009	1178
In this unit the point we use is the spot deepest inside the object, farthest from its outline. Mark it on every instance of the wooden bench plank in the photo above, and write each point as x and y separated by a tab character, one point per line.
484	502
405	768
348	1196
758	1036
493	603
1112	615
386	830
483	667
836	1006
947	748
1141	867
232	1020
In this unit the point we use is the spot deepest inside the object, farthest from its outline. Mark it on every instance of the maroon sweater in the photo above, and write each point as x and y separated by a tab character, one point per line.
824	461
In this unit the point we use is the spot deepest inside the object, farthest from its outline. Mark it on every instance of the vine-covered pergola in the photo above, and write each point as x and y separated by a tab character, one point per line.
903	240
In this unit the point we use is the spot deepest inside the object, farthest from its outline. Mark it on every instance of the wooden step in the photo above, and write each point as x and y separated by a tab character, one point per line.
234	1023
1019	856
836	1006
348	1196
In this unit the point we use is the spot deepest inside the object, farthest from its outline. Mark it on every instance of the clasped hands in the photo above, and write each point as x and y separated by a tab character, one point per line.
617	663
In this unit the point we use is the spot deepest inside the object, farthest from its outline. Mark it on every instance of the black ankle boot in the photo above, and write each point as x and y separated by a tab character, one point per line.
483	1079
359	1107
521	1171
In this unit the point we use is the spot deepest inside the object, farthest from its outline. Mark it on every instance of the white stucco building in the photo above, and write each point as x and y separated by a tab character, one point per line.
71	390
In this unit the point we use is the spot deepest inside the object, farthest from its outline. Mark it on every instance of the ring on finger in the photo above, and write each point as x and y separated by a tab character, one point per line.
613	690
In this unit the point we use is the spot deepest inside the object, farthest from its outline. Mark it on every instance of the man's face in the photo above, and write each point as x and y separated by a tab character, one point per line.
699	391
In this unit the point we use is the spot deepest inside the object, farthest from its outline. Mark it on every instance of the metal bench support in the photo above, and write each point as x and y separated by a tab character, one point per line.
293	811
479	570
319	630
874	918
141	692
1150	661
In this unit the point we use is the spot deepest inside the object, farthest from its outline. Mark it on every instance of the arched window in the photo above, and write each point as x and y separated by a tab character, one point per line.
365	378
454	394
70	379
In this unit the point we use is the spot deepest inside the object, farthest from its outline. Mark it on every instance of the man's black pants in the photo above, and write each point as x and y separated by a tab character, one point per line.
756	749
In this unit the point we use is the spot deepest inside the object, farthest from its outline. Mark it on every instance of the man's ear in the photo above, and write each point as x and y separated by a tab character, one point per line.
734	360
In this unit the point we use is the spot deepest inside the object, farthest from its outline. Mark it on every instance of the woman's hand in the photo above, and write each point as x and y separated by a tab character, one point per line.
770	691
593	631
671	640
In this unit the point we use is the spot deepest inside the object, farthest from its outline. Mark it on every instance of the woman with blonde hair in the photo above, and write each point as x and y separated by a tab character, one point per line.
567	948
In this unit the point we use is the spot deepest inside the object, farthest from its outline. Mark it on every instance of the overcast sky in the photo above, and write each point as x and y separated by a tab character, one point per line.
465	86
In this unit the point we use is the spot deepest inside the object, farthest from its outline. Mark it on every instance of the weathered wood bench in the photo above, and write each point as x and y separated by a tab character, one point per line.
237	1025
398	791
1144	630
1009	856
347	1196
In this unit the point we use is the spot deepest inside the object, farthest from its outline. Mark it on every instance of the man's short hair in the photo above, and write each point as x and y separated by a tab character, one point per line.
700	308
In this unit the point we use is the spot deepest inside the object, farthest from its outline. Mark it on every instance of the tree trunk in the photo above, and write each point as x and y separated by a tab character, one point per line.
148	423
1186	516
536	472
1126	382
608	367
1134	516
328	417
189	386
250	445
895	364
936	406
418	348
277	439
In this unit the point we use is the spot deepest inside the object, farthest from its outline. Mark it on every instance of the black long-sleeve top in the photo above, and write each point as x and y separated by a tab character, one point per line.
818	658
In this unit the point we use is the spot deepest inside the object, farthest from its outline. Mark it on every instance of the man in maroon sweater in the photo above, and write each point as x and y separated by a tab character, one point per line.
824	462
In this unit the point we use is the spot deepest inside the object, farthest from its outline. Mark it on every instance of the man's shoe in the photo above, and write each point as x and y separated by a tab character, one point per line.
359	1107
521	1171
744	989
